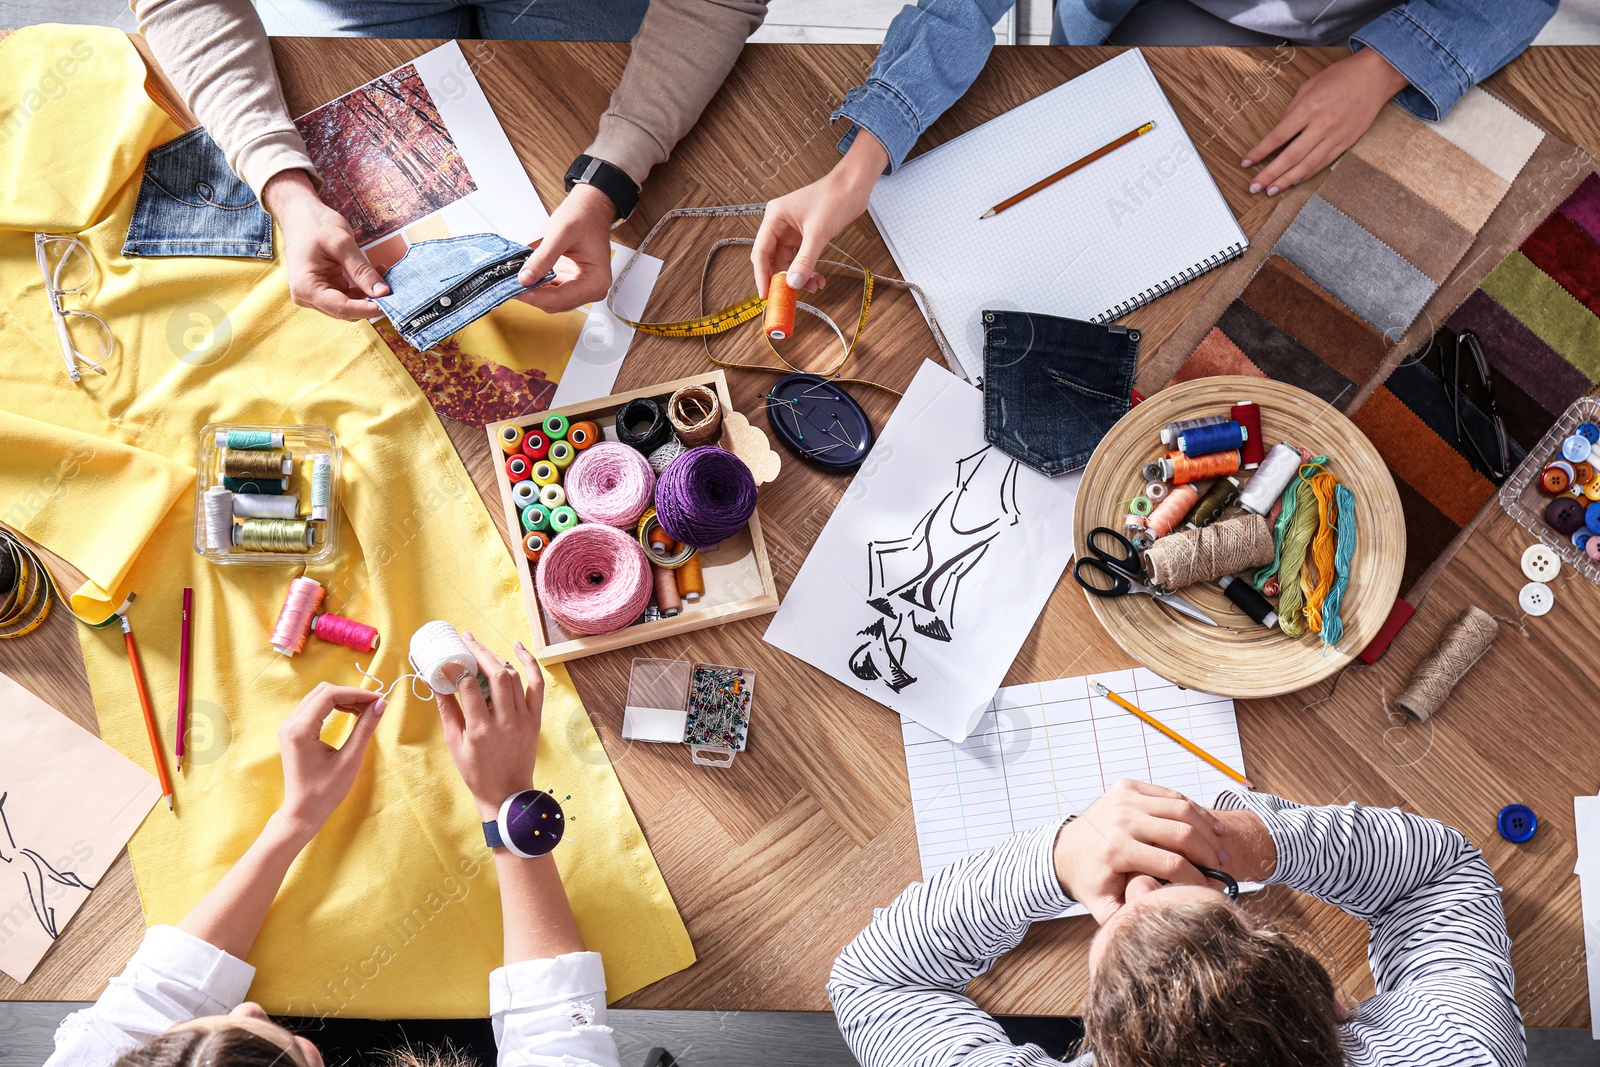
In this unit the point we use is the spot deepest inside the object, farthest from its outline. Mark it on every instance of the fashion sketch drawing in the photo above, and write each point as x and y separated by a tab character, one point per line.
914	582
36	873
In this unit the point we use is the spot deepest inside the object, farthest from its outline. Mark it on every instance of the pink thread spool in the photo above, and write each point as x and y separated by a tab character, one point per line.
594	579
1171	512
610	483
347	632
294	619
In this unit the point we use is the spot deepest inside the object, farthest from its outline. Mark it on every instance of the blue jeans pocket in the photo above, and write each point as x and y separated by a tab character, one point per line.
1052	387
191	204
439	286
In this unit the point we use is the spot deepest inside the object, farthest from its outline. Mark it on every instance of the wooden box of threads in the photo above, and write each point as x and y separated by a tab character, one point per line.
689	588
267	494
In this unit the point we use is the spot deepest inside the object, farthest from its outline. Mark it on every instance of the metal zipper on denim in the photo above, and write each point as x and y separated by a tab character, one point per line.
448	301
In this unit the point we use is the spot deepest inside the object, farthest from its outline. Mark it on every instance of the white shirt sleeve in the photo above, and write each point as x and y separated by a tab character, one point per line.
172	978
552	1013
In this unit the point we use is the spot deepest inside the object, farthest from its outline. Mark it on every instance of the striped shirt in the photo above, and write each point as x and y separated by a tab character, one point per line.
1440	955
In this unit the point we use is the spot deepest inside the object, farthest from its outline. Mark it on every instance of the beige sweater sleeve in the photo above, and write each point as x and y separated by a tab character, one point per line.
217	56
681	54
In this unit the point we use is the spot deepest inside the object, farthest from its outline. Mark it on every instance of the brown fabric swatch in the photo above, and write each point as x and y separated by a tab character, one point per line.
1415	453
1428	533
1282	357
1428	238
1215	355
1300	307
1435	169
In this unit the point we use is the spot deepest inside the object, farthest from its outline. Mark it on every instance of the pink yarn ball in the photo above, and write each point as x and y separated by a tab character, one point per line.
594	579
610	483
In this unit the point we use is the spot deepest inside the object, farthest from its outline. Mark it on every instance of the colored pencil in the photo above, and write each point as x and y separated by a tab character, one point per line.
1077	165
1151	720
149	715
183	677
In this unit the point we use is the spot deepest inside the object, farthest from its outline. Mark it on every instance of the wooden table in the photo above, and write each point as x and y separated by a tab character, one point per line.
780	861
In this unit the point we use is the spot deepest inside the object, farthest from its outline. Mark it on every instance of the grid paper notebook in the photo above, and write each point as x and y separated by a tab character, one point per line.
1048	749
1123	230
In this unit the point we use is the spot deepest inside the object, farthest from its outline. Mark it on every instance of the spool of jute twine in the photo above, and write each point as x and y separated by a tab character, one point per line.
1208	553
1462	645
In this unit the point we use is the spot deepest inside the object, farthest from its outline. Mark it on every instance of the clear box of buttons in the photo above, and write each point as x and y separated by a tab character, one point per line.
1524	497
267	495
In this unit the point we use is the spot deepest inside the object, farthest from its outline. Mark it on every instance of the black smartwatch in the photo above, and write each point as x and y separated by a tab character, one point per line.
613	181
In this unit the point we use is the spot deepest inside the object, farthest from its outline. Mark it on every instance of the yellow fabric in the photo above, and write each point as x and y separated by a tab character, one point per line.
394	911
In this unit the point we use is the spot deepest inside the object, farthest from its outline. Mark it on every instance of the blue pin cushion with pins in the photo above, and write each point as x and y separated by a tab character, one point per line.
820	422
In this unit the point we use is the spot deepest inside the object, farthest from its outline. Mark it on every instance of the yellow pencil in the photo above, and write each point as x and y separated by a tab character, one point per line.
1179	738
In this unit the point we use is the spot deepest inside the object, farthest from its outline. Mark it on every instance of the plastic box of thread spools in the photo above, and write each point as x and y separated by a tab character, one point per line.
736	574
1525	499
267	495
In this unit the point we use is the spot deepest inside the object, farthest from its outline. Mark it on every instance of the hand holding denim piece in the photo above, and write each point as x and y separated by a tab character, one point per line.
327	271
442	285
577	246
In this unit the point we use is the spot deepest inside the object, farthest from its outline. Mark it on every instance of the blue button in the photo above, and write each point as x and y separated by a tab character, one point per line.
1580	539
1591	517
1576	448
1588	431
1517	823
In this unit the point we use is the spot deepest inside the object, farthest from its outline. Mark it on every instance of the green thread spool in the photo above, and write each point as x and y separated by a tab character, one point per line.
250	440
563	519
274	535
1223	493
1140	506
535	517
556	426
562	454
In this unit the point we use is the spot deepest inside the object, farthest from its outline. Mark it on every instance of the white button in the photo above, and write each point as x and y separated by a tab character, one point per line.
444	301
1536	598
1540	564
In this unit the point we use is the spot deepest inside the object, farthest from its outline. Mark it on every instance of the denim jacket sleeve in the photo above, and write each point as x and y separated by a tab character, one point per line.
1445	47
932	53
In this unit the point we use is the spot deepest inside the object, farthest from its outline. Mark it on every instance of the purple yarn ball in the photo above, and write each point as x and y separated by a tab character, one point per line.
705	496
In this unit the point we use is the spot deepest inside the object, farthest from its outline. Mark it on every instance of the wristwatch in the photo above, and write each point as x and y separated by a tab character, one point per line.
613	181
530	824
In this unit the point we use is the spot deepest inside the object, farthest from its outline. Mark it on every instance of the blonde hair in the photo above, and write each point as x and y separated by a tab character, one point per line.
234	1046
1202	983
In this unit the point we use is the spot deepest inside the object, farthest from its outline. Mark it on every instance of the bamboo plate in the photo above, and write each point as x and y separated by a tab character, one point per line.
1240	658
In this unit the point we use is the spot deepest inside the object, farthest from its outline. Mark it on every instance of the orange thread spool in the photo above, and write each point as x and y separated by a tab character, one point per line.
1171	512
1202	468
666	592
662	544
583	434
534	544
691	580
781	300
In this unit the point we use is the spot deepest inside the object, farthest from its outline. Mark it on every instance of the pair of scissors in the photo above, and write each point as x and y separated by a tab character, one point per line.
1115	562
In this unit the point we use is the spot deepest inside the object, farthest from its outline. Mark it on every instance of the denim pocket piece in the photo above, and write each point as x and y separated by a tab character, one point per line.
1052	387
440	286
191	204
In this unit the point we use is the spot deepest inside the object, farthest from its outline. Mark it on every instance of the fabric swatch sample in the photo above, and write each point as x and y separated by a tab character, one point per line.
1421	388
1561	249
1437	169
1548	310
1414	452
1517	354
1429	239
1216	354
1294	303
1281	357
1583	206
1362	272
1428	534
1488	130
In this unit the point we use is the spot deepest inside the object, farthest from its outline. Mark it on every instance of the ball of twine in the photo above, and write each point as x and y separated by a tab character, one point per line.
1463	644
1206	554
594	579
696	415
662	457
705	496
610	483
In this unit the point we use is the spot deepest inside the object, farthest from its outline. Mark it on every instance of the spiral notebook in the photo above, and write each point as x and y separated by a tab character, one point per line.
1128	227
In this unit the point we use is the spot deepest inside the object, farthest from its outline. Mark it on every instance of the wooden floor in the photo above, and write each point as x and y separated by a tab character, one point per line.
778	862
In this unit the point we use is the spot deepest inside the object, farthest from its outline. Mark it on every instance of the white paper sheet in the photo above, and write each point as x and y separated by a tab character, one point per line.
1047	750
934	566
70	804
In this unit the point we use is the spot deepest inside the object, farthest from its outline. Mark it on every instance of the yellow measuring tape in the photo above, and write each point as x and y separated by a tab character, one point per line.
25	607
710	324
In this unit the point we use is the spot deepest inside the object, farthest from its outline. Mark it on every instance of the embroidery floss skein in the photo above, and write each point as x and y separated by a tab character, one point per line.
705	496
696	415
594	579
294	618
1343	554
1323	485
1296	539
610	484
1209	552
1462	646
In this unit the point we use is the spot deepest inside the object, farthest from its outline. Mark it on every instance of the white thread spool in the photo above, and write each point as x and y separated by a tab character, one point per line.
661	457
321	486
441	658
553	496
219	519
1270	479
1157	491
265	506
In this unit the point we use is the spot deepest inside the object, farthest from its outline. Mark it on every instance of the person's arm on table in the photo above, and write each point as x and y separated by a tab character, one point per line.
1424	54
549	999
1440	954
897	989
197	968
217	55
664	88
931	55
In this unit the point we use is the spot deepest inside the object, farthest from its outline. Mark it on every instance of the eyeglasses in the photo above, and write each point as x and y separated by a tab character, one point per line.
68	269
1459	363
